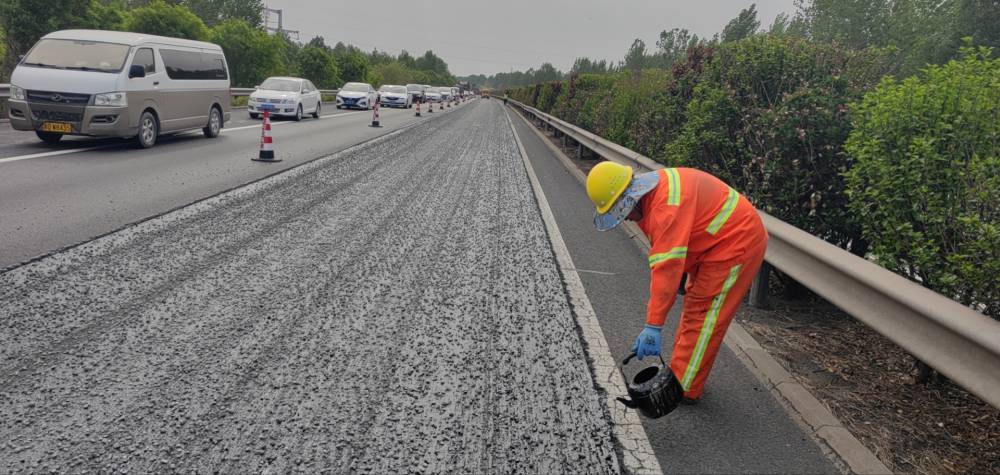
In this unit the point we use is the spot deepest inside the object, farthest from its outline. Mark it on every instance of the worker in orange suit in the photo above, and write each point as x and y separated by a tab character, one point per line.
698	225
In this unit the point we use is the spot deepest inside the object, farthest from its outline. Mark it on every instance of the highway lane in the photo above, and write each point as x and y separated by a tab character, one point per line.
738	426
17	143
52	202
392	308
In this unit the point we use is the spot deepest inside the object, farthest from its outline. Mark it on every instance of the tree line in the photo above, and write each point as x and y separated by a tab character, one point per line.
236	25
918	32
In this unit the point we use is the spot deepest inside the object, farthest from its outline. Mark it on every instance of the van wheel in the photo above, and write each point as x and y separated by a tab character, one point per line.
214	124
254	115
149	130
298	113
316	113
49	137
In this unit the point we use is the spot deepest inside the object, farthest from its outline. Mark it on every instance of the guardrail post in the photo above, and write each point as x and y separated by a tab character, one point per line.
565	140
579	151
759	288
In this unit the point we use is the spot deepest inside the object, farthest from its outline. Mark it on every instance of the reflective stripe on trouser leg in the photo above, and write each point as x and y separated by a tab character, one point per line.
705	283
707	329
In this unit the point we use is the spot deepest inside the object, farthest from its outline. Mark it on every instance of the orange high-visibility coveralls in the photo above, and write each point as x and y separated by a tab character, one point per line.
698	225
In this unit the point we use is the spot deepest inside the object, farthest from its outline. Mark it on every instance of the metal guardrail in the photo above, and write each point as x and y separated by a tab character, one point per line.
4	91
961	343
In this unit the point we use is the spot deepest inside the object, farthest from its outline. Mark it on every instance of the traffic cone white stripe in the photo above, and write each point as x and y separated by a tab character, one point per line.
266	153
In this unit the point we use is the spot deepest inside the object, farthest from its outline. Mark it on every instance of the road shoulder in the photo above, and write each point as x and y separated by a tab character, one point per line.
775	405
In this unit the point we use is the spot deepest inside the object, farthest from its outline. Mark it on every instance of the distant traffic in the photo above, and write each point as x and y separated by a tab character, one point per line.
138	86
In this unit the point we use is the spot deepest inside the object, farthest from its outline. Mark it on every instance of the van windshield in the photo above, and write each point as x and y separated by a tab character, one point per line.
284	85
77	54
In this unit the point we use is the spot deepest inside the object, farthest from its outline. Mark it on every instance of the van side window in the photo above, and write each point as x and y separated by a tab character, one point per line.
144	57
193	65
181	64
215	66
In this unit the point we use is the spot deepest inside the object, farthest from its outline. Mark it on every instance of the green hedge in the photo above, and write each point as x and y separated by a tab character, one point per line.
772	116
926	180
769	115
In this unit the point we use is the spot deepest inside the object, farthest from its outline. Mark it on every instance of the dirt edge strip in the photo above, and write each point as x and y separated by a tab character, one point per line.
638	456
848	453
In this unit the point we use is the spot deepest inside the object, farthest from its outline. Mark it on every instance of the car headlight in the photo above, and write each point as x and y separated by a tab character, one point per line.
114	99
16	93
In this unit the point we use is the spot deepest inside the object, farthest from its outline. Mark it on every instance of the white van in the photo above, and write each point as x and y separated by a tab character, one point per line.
112	83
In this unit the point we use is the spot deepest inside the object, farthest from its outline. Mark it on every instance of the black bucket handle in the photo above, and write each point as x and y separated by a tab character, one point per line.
633	355
628	402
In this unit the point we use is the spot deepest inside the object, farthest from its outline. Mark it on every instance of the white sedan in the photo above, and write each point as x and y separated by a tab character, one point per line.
394	96
432	96
285	96
445	93
356	95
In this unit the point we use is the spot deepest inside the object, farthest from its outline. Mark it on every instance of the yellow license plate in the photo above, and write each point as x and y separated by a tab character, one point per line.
61	127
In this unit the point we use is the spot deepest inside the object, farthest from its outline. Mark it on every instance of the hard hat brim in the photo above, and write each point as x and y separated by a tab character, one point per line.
621	208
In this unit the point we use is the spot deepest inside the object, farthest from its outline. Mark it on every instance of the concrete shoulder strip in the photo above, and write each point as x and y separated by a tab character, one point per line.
808	411
637	453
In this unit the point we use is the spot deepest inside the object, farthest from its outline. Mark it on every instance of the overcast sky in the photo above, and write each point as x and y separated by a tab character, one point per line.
476	38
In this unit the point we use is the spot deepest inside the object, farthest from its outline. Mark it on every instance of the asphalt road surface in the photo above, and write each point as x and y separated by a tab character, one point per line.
395	307
52	201
390	307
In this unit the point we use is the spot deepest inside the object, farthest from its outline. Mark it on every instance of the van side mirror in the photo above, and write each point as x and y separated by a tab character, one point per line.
257	87
137	71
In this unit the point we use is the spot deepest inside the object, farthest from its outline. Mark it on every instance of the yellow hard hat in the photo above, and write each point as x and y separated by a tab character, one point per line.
606	182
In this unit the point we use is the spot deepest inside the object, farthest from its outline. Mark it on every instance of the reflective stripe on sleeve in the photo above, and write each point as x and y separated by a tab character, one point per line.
727	210
674	182
707	327
675	253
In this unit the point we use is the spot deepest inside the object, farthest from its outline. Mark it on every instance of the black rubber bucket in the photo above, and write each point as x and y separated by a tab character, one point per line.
654	391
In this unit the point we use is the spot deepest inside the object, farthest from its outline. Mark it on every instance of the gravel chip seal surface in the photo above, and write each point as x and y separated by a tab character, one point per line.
392	308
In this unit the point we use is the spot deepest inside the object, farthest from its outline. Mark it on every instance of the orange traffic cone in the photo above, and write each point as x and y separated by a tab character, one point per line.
430	107
418	109
375	121
266	144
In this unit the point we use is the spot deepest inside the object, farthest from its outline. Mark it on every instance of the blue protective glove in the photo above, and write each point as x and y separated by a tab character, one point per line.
648	342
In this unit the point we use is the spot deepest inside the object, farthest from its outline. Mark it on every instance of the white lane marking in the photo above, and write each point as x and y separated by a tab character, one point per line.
87	149
53	153
638	455
598	272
